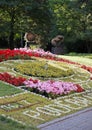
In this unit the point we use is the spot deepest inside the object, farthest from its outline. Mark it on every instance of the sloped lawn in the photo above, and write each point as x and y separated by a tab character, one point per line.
8	124
7	89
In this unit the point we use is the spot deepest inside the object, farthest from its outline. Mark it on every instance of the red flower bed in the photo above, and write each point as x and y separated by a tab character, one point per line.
87	68
11	79
24	54
13	54
79	88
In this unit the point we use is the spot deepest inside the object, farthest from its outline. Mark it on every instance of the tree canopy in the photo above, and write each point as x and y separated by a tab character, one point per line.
47	18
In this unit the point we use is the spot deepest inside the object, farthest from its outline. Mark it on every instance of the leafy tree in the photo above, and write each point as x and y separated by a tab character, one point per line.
23	16
11	10
84	29
73	19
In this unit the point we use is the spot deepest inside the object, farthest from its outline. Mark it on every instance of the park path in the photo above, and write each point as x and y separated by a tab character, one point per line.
81	120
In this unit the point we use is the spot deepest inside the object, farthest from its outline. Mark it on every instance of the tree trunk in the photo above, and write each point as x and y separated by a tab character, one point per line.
11	40
11	35
89	46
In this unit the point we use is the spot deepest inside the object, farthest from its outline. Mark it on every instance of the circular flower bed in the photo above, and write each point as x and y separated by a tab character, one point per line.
42	69
49	88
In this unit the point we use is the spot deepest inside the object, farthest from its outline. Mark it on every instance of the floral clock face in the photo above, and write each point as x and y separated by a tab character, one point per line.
37	107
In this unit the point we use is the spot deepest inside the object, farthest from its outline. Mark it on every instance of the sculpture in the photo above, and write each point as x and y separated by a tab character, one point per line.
29	38
57	45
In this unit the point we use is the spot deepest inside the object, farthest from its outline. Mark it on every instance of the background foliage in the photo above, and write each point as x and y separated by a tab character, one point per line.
47	18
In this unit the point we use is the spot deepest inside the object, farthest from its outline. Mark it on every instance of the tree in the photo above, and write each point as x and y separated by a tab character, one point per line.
84	30
13	10
73	19
25	16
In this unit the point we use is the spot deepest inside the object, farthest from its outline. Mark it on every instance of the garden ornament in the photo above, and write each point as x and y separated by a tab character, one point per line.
29	38
56	41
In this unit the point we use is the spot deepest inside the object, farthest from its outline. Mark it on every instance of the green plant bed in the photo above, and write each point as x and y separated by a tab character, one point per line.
8	124
42	69
90	56
8	89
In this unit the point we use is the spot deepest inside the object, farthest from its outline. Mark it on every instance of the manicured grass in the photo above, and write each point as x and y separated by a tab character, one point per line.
85	60
85	55
79	54
8	124
7	89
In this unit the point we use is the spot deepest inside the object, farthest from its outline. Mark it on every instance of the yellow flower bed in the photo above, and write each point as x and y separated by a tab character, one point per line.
42	69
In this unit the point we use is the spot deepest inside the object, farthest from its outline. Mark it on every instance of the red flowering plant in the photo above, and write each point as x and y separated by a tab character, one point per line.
17	81
13	54
87	68
79	88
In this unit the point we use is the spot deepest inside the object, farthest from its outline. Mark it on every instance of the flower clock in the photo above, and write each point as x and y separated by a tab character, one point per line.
49	87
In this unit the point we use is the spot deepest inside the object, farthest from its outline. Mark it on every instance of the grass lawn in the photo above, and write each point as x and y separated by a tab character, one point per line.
85	59
8	124
7	90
